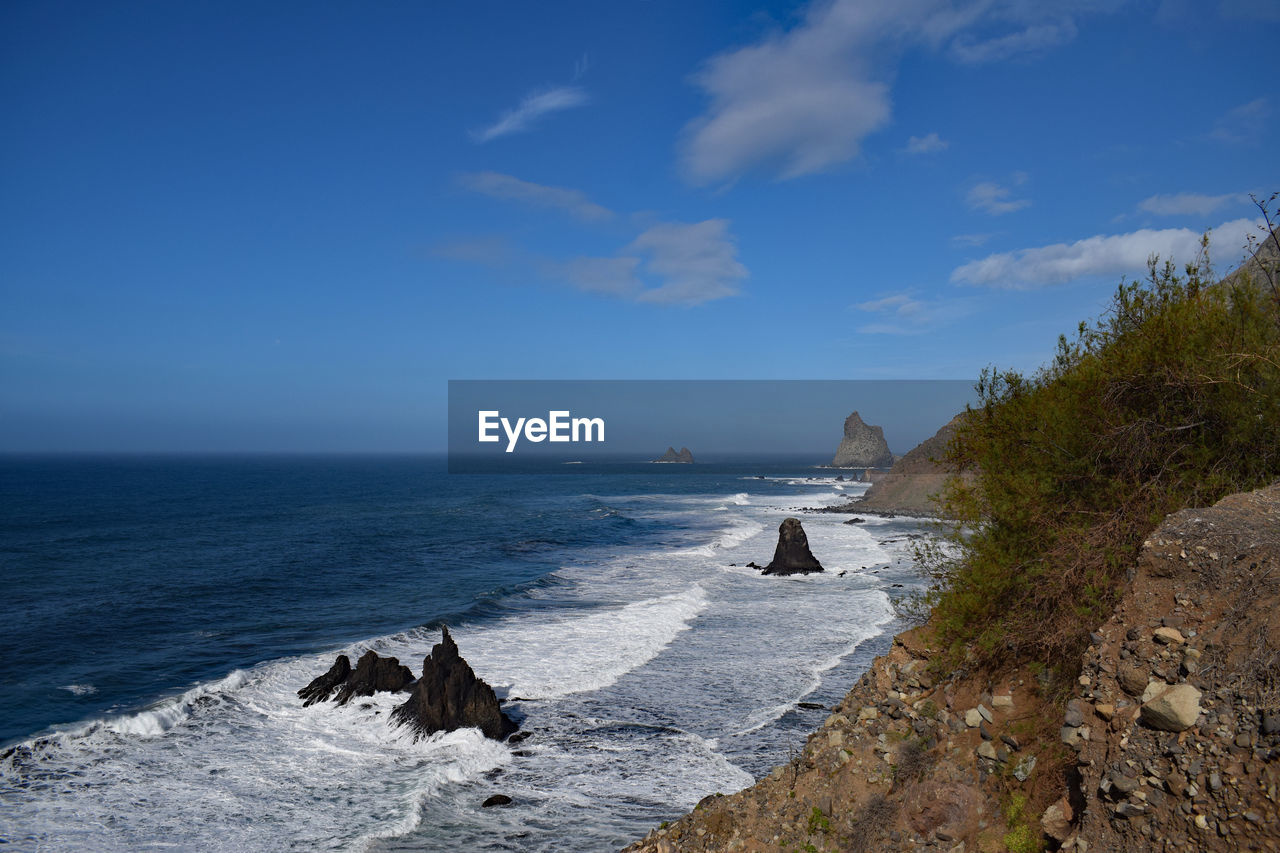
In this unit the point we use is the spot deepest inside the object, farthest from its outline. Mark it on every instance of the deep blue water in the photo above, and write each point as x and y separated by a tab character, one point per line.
608	600
130	576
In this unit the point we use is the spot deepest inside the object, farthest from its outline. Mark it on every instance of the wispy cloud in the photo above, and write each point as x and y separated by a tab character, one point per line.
971	239
509	188
926	144
1186	204
1243	125
1101	255
995	199
904	314
671	263
534	106
802	100
488	251
1032	39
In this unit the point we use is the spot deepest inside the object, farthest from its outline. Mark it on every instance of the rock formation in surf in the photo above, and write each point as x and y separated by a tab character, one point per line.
373	674
863	446
448	696
671	456
792	556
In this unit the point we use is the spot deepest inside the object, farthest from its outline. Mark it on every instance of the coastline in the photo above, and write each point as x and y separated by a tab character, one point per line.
915	759
649	567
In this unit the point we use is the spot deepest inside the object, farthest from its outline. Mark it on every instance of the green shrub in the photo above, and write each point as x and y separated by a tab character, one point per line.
1172	399
1023	839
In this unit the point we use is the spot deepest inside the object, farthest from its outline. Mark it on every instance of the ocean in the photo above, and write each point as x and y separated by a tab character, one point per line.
162	612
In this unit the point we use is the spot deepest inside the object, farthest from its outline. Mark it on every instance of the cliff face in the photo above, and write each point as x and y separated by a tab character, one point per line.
913	479
1172	741
863	446
1202	619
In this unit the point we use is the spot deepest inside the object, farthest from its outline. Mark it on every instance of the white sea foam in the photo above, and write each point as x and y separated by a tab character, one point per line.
80	689
554	656
170	712
650	677
730	537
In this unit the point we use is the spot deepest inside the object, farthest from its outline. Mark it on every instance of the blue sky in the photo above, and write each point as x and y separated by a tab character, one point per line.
285	226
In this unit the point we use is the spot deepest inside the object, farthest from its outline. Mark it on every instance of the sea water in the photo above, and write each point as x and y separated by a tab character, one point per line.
161	614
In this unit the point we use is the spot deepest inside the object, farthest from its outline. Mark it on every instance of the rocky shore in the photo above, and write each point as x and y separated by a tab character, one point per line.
1170	740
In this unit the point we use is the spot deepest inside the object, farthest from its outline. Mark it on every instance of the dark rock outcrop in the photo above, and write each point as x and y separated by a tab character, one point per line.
684	456
322	687
863	446
792	556
448	696
496	800
373	674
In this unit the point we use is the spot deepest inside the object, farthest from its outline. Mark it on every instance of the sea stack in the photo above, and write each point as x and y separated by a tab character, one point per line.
863	446
448	696
372	674
792	556
684	456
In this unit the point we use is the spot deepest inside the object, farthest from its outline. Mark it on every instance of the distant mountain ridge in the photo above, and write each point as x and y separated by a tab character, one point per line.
911	483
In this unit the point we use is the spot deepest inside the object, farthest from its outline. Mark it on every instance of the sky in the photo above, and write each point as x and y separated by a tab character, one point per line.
284	227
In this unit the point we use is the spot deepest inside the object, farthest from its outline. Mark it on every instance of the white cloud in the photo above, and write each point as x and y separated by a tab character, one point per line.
1033	39
1102	255
672	263
926	144
534	106
1185	204
997	200
508	188
802	100
488	251
610	276
971	239
904	314
1243	125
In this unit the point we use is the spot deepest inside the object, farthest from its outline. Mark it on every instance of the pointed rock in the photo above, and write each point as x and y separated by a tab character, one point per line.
322	687
448	696
863	446
792	556
373	674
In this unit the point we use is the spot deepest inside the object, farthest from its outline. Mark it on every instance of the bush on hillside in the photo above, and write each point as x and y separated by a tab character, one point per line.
1172	399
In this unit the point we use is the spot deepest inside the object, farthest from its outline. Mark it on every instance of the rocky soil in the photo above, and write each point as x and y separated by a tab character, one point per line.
1171	740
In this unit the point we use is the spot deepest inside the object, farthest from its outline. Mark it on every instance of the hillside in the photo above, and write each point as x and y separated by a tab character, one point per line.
909	486
1100	669
907	762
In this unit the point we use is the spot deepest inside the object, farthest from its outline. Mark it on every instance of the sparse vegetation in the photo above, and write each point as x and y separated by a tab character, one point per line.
914	758
1171	399
1022	836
